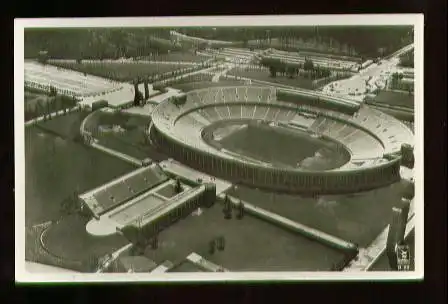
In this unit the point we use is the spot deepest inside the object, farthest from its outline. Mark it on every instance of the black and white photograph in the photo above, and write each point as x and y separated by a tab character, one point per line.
219	148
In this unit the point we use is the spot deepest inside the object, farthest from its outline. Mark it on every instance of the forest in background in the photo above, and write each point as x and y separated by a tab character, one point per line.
88	43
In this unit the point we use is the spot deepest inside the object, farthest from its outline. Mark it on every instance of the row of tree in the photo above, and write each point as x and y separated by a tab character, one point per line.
367	41
292	70
397	83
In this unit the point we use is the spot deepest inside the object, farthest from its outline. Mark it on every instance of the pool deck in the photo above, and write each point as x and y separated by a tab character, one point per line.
108	225
178	169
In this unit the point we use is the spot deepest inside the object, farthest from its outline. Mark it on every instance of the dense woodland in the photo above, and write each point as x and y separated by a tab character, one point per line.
97	43
131	42
367	41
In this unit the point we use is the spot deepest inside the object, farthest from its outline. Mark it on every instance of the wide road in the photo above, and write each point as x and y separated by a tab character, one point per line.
370	78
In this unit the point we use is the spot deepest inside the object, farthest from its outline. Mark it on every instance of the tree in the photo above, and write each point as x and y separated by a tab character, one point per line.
241	210
42	57
221	243
308	65
155	242
273	71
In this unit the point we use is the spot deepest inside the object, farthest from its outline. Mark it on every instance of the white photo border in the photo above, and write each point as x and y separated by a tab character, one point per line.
417	20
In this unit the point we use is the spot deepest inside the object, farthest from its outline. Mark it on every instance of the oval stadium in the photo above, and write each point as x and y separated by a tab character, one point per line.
247	135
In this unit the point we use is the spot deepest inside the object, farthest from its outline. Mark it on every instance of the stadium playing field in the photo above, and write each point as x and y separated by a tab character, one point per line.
284	147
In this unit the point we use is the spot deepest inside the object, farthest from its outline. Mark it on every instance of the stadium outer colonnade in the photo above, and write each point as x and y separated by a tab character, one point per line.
280	179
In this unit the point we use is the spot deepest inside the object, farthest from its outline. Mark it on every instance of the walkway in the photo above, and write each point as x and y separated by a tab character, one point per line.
204	263
368	79
183	36
368	256
146	110
162	268
306	231
227	68
115	99
120	155
178	169
292	89
161	97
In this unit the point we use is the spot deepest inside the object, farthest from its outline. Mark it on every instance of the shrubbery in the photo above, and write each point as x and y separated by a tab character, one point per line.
292	70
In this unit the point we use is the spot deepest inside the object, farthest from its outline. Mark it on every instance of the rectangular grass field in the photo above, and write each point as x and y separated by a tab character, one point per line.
357	218
251	244
122	71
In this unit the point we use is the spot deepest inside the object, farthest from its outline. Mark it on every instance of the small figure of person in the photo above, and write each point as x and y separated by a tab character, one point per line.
221	243
227	210
241	210
212	247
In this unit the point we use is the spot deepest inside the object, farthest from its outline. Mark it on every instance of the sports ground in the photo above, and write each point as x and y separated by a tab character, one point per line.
59	166
291	147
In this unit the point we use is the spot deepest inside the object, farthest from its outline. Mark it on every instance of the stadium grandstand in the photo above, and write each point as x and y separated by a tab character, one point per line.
369	135
121	190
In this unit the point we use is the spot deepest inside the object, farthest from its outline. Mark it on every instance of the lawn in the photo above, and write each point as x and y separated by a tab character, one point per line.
66	126
34	252
355	218
299	81
56	166
291	147
251	244
132	141
69	240
394	98
122	71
